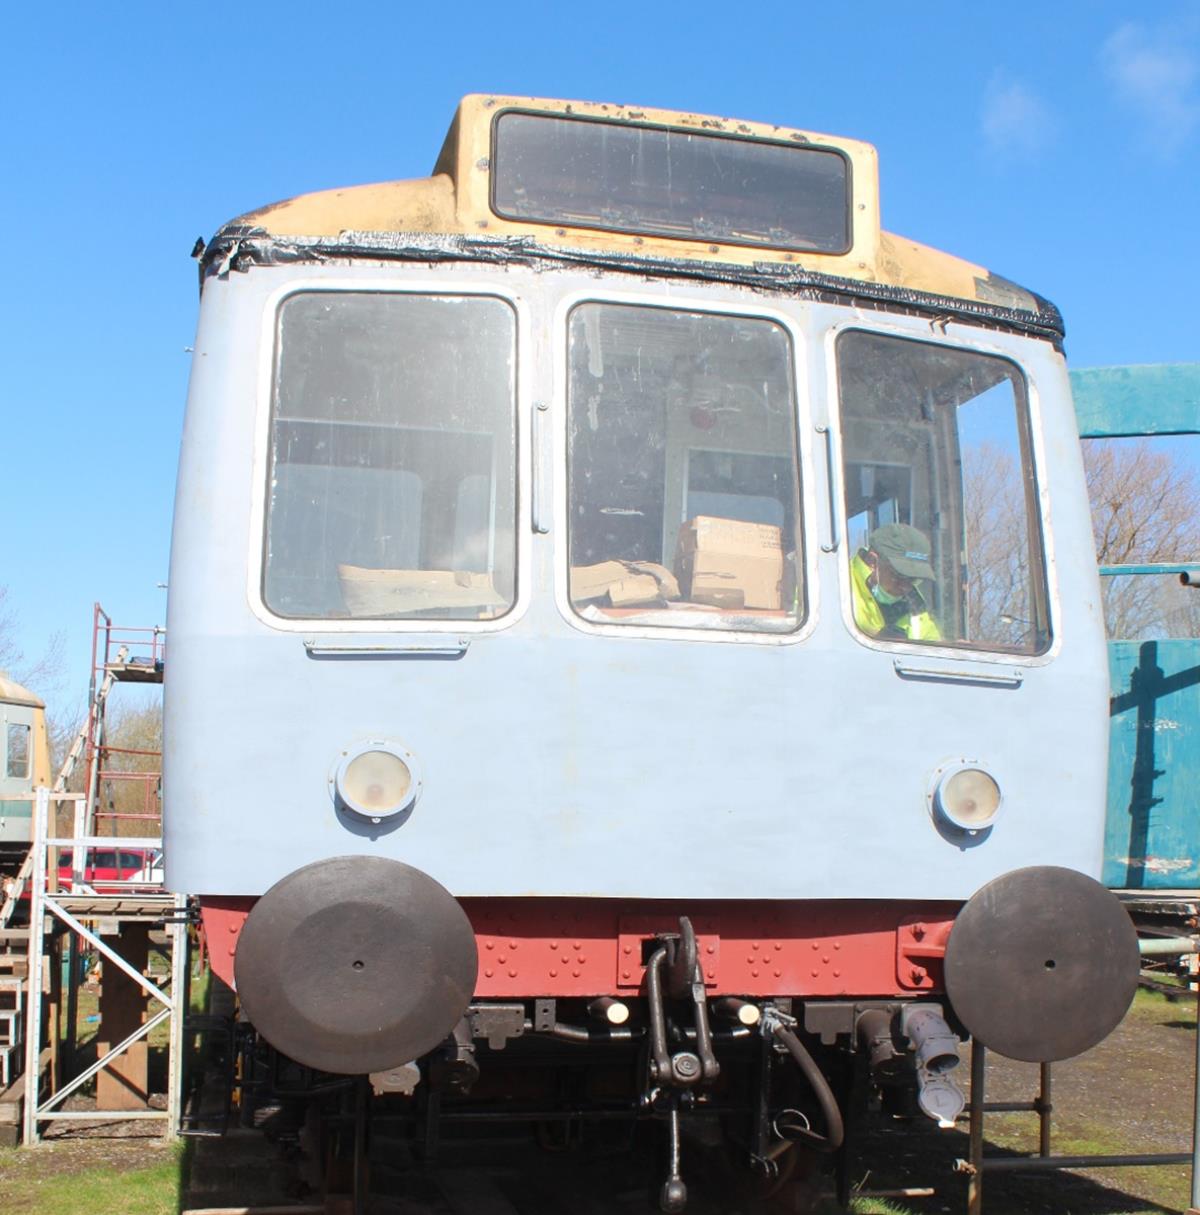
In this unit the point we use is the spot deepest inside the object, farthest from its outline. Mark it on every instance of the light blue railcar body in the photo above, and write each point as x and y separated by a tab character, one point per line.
559	759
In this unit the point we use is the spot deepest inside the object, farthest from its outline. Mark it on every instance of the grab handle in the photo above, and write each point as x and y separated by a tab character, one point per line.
539	495
834	534
440	646
1001	678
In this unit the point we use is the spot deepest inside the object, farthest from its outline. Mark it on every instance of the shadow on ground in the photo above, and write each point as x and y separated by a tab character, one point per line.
611	1172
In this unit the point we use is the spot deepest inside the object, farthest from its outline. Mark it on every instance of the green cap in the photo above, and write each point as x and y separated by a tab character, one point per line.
904	548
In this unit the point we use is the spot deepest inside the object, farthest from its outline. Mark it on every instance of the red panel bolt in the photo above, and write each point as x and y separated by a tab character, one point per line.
575	973
487	974
754	973
554	974
627	950
624	974
502	959
778	945
711	949
918	973
918	931
837	974
778	973
490	945
512	974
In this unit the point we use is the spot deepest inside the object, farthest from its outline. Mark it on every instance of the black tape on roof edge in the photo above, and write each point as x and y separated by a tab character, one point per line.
236	248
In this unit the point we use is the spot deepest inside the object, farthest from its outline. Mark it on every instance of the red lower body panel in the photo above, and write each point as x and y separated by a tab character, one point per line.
591	947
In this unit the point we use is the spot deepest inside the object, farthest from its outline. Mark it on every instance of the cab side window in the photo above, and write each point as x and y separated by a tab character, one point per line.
944	535
17	764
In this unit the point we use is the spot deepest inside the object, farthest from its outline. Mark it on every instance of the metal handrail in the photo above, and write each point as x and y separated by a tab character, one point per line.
49	903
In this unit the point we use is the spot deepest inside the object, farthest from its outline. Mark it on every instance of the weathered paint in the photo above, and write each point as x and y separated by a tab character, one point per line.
1152	835
19	706
1152	838
1156	399
556	947
455	200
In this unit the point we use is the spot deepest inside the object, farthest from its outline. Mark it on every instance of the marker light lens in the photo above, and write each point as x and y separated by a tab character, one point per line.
969	798
376	783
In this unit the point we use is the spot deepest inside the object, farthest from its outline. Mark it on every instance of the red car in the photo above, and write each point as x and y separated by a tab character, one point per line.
112	870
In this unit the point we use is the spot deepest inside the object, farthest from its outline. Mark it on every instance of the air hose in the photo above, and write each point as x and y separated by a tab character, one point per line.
834	1129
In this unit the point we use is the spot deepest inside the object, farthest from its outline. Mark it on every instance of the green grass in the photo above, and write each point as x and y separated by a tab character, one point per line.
35	1183
1166	1185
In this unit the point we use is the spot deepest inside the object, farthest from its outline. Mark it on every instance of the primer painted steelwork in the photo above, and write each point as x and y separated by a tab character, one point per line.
24	760
804	759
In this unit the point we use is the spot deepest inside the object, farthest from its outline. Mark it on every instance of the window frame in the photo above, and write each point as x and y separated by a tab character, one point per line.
256	566
657	233
968	340
6	773
801	352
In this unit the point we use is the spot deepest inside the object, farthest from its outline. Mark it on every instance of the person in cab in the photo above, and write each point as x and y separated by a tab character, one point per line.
888	602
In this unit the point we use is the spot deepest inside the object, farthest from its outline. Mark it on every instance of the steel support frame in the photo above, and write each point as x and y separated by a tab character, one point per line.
978	1163
43	903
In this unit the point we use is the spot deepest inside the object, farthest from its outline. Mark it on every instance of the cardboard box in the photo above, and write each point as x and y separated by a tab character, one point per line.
623	583
379	593
730	564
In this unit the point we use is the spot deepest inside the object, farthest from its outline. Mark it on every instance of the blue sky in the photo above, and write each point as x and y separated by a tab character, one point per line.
1058	147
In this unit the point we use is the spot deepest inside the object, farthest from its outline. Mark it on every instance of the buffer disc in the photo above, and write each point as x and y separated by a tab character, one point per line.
1042	963
356	964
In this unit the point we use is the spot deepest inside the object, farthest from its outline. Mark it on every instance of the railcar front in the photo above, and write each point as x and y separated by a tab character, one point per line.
24	764
535	686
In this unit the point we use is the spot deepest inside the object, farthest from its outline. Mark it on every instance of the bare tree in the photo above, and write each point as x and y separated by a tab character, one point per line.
42	675
998	604
1145	510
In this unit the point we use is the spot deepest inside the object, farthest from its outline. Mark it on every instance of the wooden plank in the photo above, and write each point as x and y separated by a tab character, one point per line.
12	1105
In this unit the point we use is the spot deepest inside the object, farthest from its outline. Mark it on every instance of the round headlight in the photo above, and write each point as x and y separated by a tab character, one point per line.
376	780
968	798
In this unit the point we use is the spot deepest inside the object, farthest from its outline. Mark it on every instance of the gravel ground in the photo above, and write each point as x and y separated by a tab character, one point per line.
1132	1094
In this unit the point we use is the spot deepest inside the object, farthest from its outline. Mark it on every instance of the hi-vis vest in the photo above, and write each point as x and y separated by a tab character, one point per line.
916	626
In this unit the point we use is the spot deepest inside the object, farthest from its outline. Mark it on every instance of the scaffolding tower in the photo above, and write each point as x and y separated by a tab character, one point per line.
86	916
